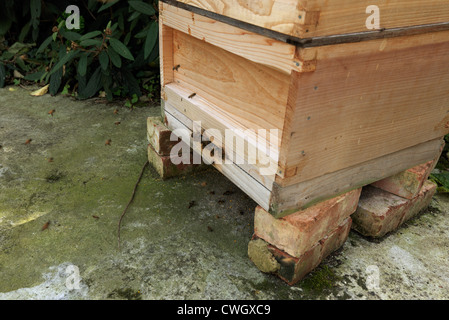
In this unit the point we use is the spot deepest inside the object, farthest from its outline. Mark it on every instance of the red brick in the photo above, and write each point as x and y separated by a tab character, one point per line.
295	234
421	201
408	183
293	269
165	167
159	136
380	212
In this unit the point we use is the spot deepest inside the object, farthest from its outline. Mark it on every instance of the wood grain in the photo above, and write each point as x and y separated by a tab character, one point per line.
165	52
319	18
257	191
266	180
365	100
212	117
286	200
251	46
277	15
253	94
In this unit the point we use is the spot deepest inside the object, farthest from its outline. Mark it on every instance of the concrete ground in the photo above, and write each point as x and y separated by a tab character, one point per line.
61	196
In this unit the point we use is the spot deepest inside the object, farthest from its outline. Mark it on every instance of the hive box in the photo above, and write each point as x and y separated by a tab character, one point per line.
349	106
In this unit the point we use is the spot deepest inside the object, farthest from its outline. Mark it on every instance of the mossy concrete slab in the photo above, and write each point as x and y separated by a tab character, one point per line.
183	238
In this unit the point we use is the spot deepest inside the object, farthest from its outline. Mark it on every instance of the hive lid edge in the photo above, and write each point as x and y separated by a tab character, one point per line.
315	41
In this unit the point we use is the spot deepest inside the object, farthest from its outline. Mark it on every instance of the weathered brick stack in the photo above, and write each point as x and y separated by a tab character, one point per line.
386	204
159	148
294	245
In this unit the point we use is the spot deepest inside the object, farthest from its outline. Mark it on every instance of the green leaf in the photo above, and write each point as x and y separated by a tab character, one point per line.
442	179
65	90
7	55
20	48
35	9
55	82
62	61
82	64
151	39
142	7
142	34
82	82
91	42
90	35
133	24
154	54
107	5
2	75
121	49
106	81
35	76
134	16
121	22
127	38
5	24
114	27
104	60
131	83
134	99
115	58
21	64
44	44
128	104
24	31
92	86
72	36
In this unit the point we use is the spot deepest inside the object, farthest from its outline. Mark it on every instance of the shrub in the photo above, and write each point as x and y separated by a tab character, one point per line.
115	49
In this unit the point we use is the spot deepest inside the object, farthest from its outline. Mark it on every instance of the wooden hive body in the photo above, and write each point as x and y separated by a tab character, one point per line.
347	114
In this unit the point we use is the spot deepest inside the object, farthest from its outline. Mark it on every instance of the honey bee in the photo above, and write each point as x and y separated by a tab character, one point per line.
116	111
117	123
51	112
108	142
175	68
45	226
192	95
28	141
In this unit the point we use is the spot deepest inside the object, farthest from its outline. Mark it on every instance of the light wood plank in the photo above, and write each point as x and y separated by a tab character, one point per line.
319	18
255	95
213	117
286	200
251	46
349	16
239	177
165	52
277	15
266	180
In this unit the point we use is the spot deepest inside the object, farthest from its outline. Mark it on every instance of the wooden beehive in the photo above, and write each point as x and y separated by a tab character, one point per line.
351	105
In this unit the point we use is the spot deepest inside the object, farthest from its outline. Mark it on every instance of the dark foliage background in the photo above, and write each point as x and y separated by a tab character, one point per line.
114	52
